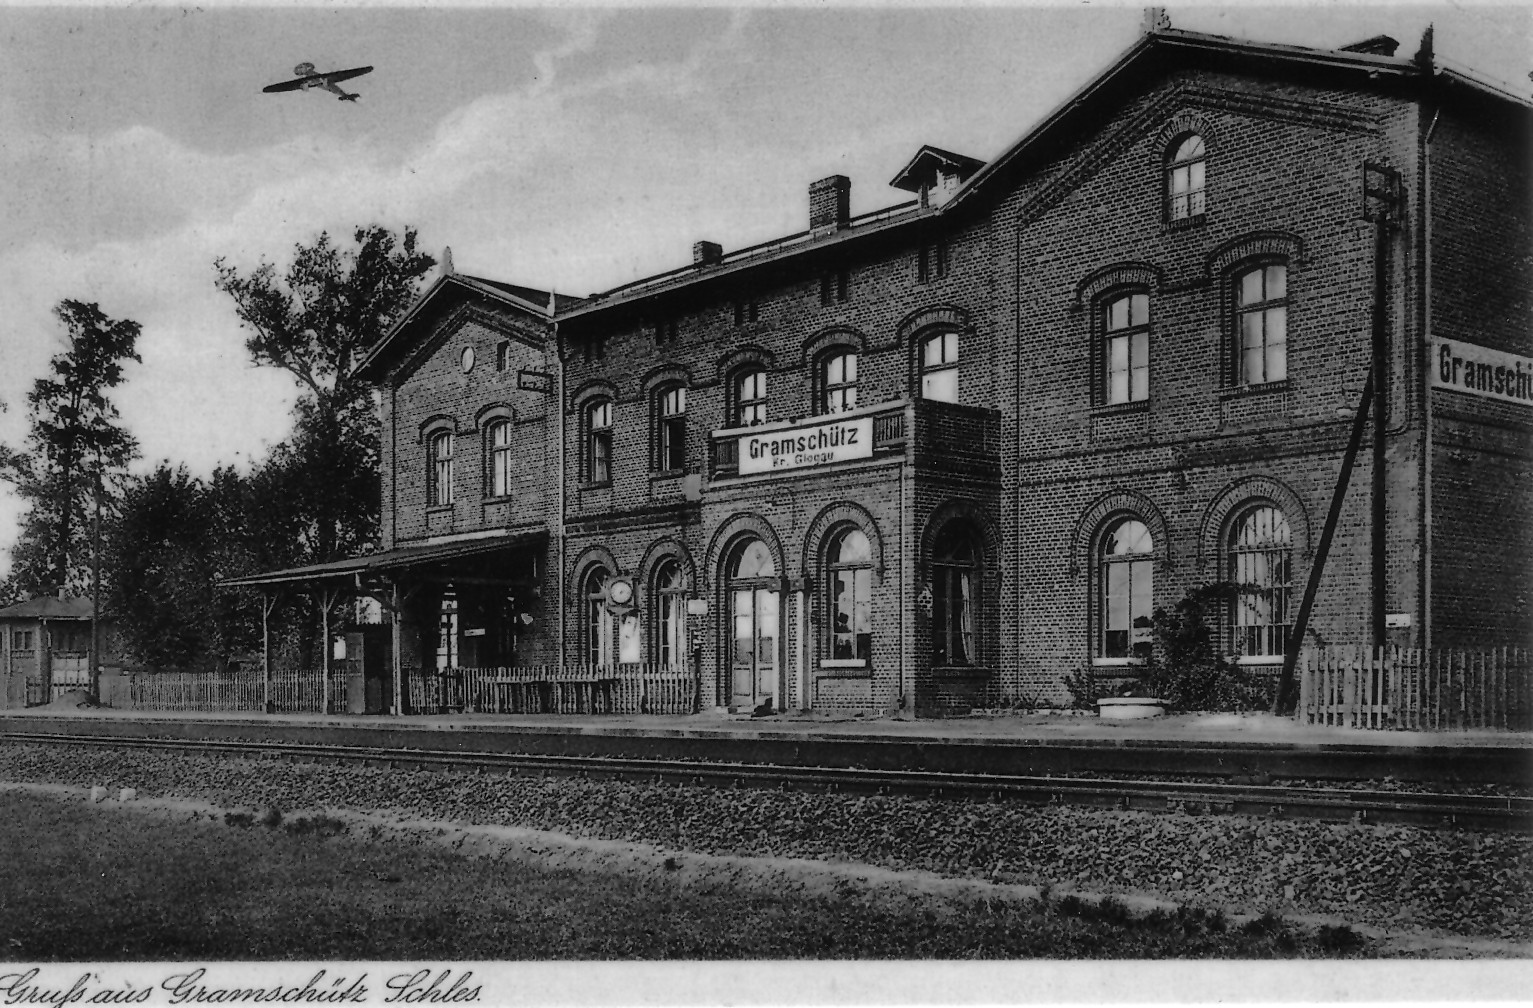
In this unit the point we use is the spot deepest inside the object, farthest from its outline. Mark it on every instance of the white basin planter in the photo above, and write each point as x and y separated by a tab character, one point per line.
1129	708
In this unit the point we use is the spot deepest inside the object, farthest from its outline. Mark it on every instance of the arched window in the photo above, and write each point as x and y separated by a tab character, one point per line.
850	576
600	628
1261	566
838	381
1126	594
498	437
1261	321
439	473
1126	349
750	395
753	607
671	429
598	424
668	602
1185	178
955	570
939	367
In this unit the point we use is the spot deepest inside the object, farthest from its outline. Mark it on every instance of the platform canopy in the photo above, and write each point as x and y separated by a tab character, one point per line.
388	563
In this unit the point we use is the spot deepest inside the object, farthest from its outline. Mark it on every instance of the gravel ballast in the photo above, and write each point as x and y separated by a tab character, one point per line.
1400	879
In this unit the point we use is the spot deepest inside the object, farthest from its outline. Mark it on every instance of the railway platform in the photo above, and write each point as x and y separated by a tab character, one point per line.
1219	745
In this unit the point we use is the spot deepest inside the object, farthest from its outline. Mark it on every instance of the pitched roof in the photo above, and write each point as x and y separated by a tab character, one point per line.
47	607
1154	52
527	299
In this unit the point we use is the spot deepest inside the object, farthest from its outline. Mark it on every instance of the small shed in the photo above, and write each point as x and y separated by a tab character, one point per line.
45	648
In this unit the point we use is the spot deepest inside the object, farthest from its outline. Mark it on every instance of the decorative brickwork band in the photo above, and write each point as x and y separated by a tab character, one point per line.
493	412
591	556
434	423
662	549
592	390
739	524
956	510
1114	502
1179	126
1274	244
1245	491
837	337
741	356
833	515
1128	274
948	316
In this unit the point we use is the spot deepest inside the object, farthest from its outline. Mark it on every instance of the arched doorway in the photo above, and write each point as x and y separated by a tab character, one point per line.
754	620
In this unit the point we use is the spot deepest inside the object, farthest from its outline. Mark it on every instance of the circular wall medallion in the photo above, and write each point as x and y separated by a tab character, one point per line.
620	591
468	359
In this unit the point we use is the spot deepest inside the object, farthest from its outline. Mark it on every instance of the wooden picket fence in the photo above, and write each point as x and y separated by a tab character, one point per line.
551	689
1416	689
243	689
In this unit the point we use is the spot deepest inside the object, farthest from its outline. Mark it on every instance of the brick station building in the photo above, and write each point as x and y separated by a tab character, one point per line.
944	454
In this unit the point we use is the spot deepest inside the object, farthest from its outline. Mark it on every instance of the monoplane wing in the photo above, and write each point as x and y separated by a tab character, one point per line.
340	75
292	85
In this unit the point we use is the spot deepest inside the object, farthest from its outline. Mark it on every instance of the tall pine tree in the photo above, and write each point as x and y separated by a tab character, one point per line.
75	445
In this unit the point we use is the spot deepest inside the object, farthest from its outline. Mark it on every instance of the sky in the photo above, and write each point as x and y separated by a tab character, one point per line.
574	148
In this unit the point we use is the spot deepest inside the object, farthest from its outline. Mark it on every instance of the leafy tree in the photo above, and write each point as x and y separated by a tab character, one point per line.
316	321
315	499
162	584
75	442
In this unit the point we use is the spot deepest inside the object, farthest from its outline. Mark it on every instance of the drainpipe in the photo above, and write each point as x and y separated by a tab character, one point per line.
561	470
1379	551
1425	635
907	671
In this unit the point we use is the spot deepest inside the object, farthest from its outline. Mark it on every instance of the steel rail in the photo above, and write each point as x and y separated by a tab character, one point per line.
1480	812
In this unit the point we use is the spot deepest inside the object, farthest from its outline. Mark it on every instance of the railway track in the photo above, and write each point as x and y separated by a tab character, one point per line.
1477	812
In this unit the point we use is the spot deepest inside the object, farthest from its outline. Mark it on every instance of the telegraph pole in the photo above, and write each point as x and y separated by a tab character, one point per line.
1382	199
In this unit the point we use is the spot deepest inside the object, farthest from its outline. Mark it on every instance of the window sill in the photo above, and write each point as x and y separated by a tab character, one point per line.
1265	388
1273	660
432	509
603	485
1115	409
832	669
666	474
1182	224
962	672
843	663
502	499
1117	662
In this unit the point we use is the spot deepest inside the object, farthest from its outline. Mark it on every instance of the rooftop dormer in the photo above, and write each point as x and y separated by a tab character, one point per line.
935	174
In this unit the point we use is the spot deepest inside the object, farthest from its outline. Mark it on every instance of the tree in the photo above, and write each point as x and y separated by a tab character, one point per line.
162	584
317	321
74	446
316	496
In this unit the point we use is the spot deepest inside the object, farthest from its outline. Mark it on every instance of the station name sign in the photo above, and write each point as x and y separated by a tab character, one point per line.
1481	371
805	447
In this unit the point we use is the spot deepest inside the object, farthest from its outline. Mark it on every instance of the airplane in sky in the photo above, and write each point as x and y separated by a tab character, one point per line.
308	78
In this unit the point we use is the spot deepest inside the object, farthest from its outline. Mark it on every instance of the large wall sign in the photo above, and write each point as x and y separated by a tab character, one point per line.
1482	371
803	447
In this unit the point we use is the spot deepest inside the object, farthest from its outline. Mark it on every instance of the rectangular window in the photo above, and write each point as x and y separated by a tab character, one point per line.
745	311
502	356
1262	318
1126	369
599	442
500	459
21	640
932	262
834	287
673	430
852	618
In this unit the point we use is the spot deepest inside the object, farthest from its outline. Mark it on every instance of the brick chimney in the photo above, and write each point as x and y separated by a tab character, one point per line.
707	253
830	203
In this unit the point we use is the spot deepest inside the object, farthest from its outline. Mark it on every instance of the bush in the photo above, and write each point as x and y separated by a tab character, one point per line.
1187	669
